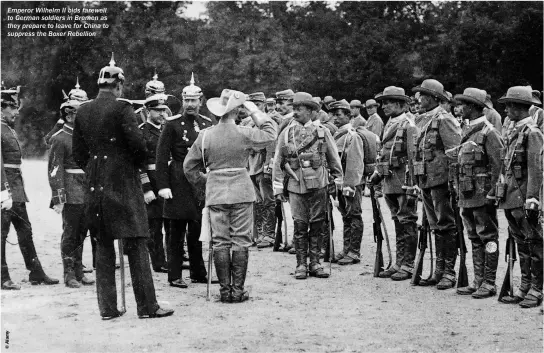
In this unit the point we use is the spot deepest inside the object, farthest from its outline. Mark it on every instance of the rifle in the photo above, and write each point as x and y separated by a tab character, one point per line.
331	240
286	244
507	288
122	269
422	245
462	279
378	235
278	211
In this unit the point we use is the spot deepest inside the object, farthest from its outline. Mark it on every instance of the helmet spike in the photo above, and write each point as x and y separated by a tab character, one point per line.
192	82
77	83
155	77
64	95
112	62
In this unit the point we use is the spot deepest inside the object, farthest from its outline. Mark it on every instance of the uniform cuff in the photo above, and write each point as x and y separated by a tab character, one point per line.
5	195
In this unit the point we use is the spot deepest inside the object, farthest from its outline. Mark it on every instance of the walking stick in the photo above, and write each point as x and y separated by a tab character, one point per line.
210	259
331	240
122	269
286	244
385	233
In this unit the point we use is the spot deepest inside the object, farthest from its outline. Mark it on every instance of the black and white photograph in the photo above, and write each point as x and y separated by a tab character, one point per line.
272	176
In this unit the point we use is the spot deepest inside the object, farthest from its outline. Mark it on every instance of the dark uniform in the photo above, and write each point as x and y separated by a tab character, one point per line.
184	209
67	183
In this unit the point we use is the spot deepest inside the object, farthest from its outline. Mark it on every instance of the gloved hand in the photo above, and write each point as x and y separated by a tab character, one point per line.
165	193
149	196
348	191
7	204
532	207
58	208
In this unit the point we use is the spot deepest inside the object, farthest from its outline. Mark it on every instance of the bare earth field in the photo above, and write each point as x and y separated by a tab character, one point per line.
349	312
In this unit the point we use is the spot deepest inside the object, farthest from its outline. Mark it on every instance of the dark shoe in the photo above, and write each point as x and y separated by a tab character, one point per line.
38	276
72	283
511	300
178	283
161	269
265	244
337	257
112	316
292	251
10	285
466	290
433	281
387	273
241	298
530	301
319	273
445	283
486	290
87	270
346	260
401	276
157	314
301	272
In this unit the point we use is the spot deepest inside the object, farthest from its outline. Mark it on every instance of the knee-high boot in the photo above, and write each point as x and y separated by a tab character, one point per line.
221	259
239	269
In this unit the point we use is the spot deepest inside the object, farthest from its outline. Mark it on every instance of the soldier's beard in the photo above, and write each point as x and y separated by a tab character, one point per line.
190	111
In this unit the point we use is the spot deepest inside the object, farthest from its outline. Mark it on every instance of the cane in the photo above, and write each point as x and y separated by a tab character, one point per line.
286	244
210	259
122	269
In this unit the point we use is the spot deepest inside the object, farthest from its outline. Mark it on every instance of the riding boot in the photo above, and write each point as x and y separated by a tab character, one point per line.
525	269
400	243
37	275
221	259
69	274
239	269
488	288
450	257
301	245
410	249
478	260
534	296
439	262
316	270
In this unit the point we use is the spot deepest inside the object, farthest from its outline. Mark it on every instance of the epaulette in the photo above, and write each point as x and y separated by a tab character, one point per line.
138	110
141	125
173	117
124	100
205	118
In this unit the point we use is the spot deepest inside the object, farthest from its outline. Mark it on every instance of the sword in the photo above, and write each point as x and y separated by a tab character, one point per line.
122	269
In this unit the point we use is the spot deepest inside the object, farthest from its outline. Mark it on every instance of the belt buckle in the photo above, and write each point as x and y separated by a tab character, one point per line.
306	164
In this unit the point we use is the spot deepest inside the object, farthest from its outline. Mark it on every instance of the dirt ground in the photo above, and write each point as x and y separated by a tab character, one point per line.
349	312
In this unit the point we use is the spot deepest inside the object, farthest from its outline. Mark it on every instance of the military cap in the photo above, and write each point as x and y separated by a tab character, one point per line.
317	100
449	97
488	101
520	94
256	97
371	102
473	95
343	104
285	95
306	99
355	103
393	93
156	101
229	100
433	88
154	86
328	99
191	91
111	73
270	101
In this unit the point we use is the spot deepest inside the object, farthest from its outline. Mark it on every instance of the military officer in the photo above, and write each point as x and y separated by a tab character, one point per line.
351	151
519	192
223	150
12	180
304	151
395	167
356	117
284	106
440	132
374	122
475	175
156	112
67	183
183	202
153	87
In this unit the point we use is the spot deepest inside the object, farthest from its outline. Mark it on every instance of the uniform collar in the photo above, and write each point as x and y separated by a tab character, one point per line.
158	127
398	118
348	126
477	121
524	121
308	123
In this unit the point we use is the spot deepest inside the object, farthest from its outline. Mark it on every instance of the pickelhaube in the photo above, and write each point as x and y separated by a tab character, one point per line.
191	91
9	96
154	86
77	93
111	73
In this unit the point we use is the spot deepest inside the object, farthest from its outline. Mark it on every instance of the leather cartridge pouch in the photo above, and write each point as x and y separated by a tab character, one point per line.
310	177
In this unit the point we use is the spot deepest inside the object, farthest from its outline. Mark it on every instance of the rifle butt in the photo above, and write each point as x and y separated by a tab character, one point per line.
418	269
378	262
506	287
462	280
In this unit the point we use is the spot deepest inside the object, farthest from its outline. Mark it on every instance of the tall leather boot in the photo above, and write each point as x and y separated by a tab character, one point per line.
524	255
346	238
488	287
259	217
300	242
267	227
38	276
316	270
410	249
439	262
239	269
478	260
450	257
221	259
534	296
69	273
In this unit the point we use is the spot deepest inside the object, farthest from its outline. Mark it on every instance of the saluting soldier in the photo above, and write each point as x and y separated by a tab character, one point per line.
440	132
108	145
395	166
223	151
183	202
12	180
356	117
303	153
475	176
374	122
353	157
67	183
155	112
519	192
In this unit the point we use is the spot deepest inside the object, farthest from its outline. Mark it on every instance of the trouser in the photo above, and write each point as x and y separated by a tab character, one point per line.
140	274
528	236
436	201
178	229
17	216
73	237
264	206
350	208
482	228
404	215
155	243
232	226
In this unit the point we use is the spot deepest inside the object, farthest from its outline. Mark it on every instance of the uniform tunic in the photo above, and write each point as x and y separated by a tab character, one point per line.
375	124
151	134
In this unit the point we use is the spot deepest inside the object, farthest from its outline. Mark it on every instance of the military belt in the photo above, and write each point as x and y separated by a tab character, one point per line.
14	166
74	171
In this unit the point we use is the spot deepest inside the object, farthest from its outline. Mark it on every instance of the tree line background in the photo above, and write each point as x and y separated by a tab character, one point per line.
349	50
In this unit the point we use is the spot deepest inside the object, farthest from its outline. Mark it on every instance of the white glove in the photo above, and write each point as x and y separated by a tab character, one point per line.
165	193
251	107
149	196
58	208
7	204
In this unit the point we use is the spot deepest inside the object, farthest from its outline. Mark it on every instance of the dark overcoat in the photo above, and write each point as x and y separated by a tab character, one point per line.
11	157
151	137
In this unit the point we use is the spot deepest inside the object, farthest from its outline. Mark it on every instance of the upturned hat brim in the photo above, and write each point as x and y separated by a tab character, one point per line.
533	101
216	108
429	92
394	97
310	104
463	98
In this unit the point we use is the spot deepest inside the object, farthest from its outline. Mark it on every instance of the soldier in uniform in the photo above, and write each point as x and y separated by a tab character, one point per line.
374	122
183	203
12	180
351	151
223	150
270	106
304	151
519	192
395	167
492	115
156	112
475	176
67	183
284	106
356	117
446	103
108	145
153	87
439	133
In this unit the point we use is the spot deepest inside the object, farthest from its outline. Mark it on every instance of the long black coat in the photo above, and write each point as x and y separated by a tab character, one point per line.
151	137
108	145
